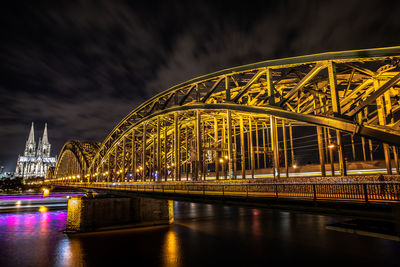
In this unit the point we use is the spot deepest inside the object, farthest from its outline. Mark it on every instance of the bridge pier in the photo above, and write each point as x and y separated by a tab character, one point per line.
86	214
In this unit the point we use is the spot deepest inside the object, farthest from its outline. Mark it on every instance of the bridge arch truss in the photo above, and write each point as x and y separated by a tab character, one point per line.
228	121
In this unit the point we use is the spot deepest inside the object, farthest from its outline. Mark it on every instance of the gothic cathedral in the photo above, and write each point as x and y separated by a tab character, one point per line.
35	162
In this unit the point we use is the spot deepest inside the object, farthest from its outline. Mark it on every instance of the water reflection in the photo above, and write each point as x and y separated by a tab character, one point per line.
202	235
256	225
171	250
70	253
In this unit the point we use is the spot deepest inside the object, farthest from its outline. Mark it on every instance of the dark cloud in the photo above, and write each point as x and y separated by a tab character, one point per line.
83	65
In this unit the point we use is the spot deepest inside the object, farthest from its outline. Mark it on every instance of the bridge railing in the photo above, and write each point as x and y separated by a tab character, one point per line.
361	191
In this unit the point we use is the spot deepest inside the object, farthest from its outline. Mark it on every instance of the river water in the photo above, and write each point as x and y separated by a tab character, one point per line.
202	235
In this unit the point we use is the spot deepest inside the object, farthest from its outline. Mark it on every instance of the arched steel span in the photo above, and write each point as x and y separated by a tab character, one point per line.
74	159
350	91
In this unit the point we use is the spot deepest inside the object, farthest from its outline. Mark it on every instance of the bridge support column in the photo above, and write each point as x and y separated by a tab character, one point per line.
234	152
177	170
257	150
337	112
353	149
144	153
123	174
95	214
321	150
382	121
216	159
230	146
342	162
199	152
285	148
158	155
115	169
251	149
165	151
133	157
264	146
371	155
363	148
242	158
291	144
396	158
275	147
187	152
331	153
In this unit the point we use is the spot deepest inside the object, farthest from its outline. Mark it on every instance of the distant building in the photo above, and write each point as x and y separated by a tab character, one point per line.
36	161
5	175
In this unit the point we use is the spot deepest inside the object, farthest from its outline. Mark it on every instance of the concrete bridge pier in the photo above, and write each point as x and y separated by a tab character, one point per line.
87	213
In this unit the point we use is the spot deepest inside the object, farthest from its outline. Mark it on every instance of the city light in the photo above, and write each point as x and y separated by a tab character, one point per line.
46	192
43	209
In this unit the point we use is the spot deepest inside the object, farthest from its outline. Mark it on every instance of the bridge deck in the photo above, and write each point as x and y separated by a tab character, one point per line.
359	192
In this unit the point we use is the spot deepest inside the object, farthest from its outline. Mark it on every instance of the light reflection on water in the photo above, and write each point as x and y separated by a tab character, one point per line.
202	235
171	250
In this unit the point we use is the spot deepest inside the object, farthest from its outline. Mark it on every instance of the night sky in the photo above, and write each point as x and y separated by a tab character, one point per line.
81	66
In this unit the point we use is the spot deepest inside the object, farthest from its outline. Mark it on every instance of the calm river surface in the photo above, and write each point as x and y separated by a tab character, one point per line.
202	235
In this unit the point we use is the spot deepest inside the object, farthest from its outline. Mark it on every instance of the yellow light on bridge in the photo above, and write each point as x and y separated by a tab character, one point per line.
221	160
46	192
43	209
331	146
226	157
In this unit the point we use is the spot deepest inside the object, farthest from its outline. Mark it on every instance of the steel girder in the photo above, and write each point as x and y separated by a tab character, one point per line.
82	152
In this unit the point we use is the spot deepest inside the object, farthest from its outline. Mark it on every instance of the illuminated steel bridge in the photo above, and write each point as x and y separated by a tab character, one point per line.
227	124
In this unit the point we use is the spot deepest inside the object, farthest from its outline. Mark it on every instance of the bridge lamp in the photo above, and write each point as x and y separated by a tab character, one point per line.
117	172
331	146
78	176
226	157
137	170
294	166
141	168
45	192
221	160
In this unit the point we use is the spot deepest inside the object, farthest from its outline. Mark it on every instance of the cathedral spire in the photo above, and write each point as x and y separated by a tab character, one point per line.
31	138
30	148
45	140
45	146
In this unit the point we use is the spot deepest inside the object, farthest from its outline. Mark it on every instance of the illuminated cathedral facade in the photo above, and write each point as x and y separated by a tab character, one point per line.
36	160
